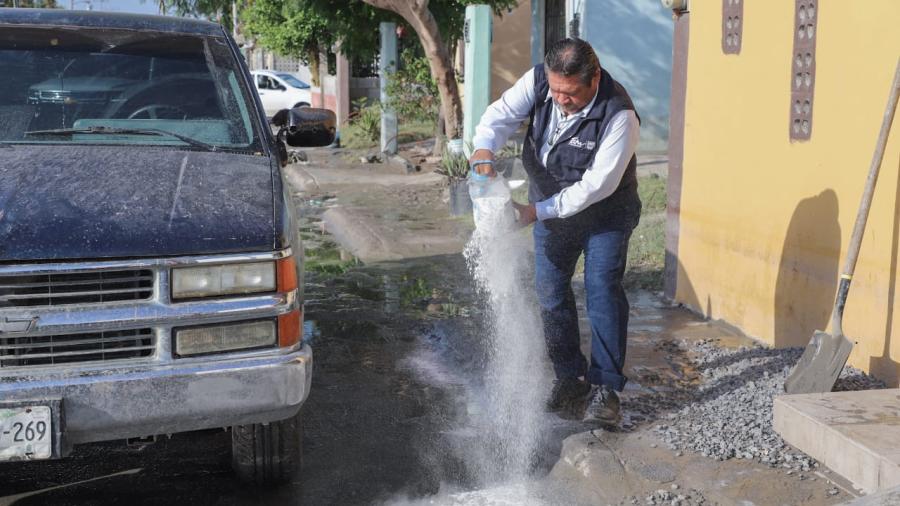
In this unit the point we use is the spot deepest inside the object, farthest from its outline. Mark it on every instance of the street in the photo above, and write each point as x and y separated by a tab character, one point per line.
401	352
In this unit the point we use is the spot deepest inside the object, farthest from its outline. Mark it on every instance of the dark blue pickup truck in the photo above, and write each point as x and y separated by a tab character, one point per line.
150	268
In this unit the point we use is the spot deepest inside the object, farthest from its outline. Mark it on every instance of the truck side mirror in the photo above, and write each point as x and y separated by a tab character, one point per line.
305	126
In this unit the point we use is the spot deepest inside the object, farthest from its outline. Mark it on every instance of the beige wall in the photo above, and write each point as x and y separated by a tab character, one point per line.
764	221
511	48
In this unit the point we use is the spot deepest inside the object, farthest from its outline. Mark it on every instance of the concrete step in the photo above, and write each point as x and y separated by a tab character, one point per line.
856	434
889	497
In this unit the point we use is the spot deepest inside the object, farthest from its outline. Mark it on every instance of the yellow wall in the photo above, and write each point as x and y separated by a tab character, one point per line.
765	222
511	48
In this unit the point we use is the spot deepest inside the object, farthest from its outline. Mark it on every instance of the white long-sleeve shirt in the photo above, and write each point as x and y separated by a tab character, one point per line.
617	146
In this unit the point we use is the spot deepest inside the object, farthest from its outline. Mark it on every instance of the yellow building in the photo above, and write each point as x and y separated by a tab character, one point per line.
776	108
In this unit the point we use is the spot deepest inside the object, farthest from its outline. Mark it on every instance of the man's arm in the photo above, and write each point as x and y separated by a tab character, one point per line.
619	142
503	117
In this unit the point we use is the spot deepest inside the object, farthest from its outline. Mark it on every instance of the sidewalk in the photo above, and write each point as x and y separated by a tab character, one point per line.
697	409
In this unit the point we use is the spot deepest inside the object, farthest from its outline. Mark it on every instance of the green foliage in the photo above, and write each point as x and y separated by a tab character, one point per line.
512	149
414	291
367	119
37	4
355	23
214	10
412	92
288	28
451	14
454	166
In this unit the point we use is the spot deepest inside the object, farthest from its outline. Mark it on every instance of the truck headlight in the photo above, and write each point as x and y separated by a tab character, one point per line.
228	279
227	337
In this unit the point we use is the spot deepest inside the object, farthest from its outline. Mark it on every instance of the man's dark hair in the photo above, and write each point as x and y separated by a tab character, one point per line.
572	57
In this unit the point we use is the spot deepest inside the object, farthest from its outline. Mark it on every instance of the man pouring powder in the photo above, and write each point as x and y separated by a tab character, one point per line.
579	153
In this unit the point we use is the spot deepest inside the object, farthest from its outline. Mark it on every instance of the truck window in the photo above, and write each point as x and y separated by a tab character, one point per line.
63	79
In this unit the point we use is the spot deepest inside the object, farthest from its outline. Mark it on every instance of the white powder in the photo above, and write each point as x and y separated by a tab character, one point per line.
493	215
517	376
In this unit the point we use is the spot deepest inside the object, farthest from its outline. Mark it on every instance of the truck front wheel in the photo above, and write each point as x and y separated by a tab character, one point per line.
267	453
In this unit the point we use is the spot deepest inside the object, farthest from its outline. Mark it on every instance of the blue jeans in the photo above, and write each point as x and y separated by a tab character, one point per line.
557	248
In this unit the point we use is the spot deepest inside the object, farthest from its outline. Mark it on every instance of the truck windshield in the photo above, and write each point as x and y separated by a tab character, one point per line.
90	86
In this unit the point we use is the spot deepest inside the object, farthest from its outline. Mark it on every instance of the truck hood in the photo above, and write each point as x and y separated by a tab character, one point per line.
82	202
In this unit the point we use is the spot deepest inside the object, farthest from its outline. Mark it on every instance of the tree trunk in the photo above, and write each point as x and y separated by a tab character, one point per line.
439	135
416	13
314	76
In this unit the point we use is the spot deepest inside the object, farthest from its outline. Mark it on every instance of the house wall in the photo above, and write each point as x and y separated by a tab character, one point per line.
764	222
634	43
511	48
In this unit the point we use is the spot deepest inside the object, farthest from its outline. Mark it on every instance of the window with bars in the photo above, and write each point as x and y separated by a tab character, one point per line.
732	26
554	22
803	68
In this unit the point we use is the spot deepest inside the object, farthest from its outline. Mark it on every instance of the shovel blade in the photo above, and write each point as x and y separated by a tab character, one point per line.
821	364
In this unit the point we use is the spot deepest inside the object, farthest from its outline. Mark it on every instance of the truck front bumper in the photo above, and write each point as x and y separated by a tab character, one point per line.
139	401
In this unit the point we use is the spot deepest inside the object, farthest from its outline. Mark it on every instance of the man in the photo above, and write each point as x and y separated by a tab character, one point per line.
579	153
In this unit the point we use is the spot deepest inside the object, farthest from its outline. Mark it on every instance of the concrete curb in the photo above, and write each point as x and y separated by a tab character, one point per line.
300	179
358	235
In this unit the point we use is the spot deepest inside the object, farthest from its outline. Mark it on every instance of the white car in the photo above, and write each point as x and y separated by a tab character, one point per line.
280	90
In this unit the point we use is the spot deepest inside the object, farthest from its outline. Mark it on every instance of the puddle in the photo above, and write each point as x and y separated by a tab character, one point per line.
516	494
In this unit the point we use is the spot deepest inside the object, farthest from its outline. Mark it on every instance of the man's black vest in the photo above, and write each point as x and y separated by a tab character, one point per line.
574	150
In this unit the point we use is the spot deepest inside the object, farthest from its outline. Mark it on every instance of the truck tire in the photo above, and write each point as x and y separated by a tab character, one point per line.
267	453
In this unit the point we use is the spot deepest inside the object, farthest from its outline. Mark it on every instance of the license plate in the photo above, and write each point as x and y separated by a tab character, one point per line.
26	433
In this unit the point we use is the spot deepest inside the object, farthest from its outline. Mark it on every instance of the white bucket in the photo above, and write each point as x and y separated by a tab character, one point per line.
455	146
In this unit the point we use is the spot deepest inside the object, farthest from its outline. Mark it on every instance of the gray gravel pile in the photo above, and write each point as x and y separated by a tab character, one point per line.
674	497
730	414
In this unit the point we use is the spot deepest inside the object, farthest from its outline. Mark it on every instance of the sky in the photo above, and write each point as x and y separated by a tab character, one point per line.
137	6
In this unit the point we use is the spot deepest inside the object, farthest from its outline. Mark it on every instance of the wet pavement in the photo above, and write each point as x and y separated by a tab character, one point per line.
368	422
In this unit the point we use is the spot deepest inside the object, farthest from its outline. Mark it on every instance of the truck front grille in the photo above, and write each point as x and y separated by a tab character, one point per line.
75	348
75	288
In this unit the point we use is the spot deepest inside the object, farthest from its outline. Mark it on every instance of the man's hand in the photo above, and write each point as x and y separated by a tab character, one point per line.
527	213
483	154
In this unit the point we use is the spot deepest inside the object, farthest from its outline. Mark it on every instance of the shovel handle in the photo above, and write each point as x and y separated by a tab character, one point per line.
865	204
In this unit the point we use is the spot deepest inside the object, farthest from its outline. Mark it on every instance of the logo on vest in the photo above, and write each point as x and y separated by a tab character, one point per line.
575	142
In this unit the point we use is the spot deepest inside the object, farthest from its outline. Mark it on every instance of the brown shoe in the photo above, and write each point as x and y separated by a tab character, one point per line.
568	395
604	407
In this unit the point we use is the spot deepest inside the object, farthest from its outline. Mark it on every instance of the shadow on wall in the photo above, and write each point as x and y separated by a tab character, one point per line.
634	42
684	289
808	272
884	366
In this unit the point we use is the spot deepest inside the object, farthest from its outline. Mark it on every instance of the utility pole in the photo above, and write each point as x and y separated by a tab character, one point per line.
478	68
387	65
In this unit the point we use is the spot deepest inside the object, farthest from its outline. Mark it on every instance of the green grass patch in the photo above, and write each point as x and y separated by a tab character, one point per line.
647	247
331	268
646	253
415	131
652	190
325	257
414	291
354	137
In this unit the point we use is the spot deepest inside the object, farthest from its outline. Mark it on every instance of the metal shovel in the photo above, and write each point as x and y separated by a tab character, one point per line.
825	355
